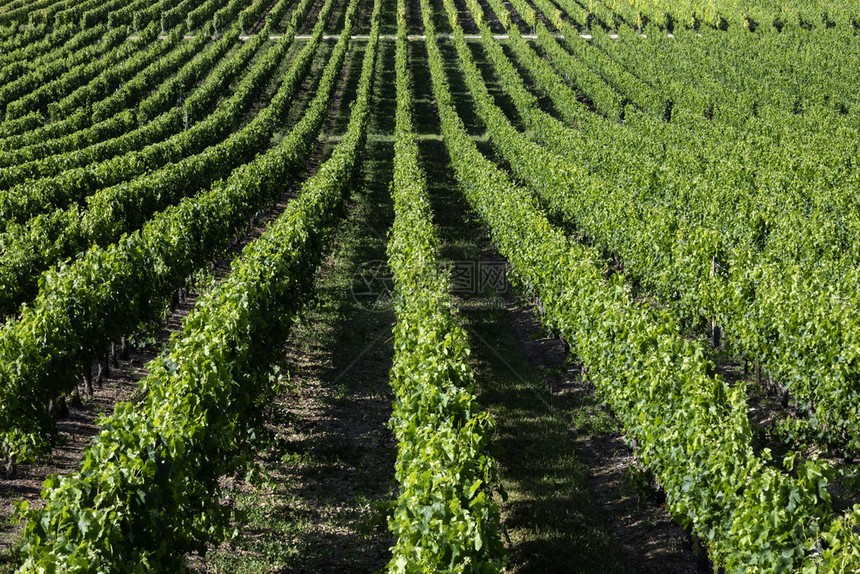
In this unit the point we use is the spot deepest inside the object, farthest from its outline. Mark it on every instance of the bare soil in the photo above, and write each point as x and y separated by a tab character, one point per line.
637	516
630	522
325	477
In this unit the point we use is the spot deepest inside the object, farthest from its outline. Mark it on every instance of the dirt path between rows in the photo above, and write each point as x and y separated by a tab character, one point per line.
320	494
578	502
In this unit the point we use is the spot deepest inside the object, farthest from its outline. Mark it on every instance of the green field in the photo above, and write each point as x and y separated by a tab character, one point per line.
429	286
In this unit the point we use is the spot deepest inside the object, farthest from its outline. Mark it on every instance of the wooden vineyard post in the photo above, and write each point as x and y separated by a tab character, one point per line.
88	379
715	331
